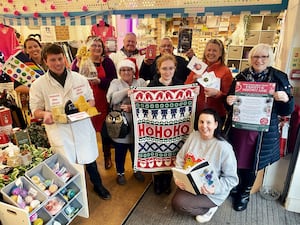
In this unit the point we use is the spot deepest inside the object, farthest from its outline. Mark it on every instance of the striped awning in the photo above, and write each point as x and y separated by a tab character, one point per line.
89	18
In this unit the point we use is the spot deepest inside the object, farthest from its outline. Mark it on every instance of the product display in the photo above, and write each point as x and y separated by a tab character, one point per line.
116	124
50	192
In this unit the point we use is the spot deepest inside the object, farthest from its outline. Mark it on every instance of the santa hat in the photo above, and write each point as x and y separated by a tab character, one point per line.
129	62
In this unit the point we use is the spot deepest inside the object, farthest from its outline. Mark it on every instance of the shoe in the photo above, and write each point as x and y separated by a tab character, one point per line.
139	176
102	192
207	216
240	203
157	185
107	163
121	179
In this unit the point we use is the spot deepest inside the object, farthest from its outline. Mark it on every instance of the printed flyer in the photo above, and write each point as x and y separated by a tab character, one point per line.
253	108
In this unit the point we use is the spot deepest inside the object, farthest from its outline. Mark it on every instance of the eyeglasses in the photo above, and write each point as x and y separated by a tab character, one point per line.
168	68
126	70
263	57
166	46
96	46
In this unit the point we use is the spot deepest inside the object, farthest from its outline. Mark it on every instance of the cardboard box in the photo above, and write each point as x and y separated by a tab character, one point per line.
5	116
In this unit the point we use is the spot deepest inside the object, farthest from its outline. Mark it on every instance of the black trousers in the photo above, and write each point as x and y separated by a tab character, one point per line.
93	172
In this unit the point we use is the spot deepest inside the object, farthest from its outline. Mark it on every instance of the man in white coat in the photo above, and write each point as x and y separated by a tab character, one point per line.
55	88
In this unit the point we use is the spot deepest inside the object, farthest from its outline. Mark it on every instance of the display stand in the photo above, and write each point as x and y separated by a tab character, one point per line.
10	212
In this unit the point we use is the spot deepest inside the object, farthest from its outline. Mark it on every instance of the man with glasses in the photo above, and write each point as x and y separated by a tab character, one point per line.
129	50
148	69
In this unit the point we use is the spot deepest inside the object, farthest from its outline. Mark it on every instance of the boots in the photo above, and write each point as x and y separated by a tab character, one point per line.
96	180
241	200
107	156
162	183
242	195
166	182
157	184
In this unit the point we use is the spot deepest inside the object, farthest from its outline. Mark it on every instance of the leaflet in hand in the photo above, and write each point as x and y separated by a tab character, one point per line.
209	80
197	66
196	176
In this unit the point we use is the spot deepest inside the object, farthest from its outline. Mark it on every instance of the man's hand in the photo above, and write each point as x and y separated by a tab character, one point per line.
148	61
47	118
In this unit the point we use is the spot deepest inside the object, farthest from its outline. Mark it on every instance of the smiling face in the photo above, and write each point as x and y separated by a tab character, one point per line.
166	46
166	70
212	53
207	125
126	74
129	42
56	63
33	49
260	61
96	48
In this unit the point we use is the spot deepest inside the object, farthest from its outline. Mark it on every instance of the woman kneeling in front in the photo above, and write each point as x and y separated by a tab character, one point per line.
206	143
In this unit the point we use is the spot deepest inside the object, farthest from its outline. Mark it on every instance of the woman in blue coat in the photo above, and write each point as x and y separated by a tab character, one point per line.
255	150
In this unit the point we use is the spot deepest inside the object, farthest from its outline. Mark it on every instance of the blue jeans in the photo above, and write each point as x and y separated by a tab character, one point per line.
120	155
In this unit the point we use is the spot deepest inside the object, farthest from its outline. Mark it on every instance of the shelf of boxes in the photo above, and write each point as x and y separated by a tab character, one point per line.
261	29
57	187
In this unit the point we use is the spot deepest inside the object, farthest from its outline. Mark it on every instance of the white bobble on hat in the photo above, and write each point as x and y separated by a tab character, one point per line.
126	63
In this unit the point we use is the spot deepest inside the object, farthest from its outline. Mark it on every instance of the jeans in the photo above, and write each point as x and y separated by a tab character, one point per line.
120	155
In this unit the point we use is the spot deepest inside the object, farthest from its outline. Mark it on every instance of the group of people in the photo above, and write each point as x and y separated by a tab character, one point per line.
235	158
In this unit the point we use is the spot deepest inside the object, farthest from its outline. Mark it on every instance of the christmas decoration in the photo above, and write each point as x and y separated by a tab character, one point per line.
85	8
65	14
52	6
36	15
25	8
17	13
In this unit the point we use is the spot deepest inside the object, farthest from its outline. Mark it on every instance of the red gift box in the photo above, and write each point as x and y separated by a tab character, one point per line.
151	52
5	116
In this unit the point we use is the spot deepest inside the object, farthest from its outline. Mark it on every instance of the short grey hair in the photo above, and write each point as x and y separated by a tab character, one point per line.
262	49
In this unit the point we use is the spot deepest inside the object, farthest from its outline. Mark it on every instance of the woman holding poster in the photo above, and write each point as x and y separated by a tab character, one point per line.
254	148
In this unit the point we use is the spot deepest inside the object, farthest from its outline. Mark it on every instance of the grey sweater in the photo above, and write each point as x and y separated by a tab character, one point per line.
117	94
220	156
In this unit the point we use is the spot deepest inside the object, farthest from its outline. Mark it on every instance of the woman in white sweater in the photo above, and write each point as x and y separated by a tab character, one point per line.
118	98
206	143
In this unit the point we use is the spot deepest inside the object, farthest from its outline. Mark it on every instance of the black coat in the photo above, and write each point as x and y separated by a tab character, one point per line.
267	147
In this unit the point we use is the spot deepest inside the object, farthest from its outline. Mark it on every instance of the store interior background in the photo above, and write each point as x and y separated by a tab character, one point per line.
163	18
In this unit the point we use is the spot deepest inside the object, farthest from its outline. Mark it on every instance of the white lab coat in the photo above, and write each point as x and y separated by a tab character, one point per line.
77	140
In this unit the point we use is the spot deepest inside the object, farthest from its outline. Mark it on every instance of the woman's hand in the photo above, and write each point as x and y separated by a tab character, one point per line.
196	76
126	108
197	90
179	184
207	190
231	99
281	96
95	81
211	92
190	53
